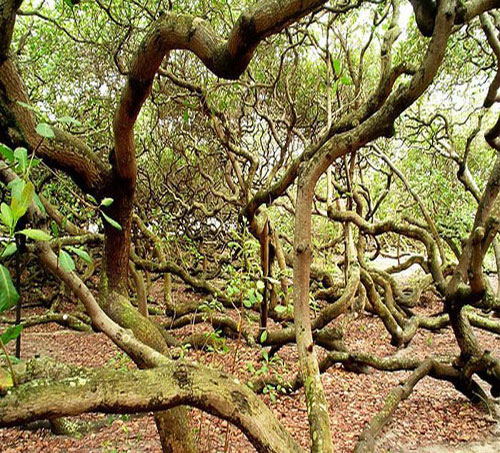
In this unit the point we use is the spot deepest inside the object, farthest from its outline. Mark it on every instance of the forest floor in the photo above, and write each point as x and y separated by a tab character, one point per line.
435	418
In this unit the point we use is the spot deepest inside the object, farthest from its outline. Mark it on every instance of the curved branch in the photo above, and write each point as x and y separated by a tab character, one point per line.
392	226
64	151
168	386
227	59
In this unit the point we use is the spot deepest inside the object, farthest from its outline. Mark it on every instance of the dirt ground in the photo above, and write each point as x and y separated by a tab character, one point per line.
435	418
492	446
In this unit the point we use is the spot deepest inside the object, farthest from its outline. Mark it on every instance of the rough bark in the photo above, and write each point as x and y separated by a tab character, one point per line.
165	387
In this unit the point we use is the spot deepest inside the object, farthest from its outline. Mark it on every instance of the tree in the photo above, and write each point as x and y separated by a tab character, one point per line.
359	107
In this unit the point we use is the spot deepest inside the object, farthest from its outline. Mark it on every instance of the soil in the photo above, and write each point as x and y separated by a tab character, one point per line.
435	418
476	447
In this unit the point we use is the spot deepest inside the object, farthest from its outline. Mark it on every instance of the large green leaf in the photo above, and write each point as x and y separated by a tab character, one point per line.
65	261
247	303
37	235
280	309
6	216
39	203
345	80
69	119
27	196
20	206
8	294
45	130
107	202
27	106
9	250
5	381
54	228
111	221
6	153
11	333
16	187
81	253
336	66
21	155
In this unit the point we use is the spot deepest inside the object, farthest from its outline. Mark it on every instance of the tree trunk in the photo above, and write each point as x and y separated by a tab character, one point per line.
173	425
317	406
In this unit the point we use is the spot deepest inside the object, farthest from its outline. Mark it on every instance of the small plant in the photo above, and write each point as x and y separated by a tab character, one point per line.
273	391
184	348
215	342
270	365
210	306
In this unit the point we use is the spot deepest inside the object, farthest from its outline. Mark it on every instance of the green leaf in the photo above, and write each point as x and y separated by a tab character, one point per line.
45	130
16	187
345	80
107	202
27	106
260	285
54	228
6	216
91	198
38	203
80	253
263	336
265	355
112	222
27	197
185	116
35	162
6	153
19	207
280	309
65	261
68	119
336	66
11	333
21	155
251	297
9	250
8	294
247	303
37	235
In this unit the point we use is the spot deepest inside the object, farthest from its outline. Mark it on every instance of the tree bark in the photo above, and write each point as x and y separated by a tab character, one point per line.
165	387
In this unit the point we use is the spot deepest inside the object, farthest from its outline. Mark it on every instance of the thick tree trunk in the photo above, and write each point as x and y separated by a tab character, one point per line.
173	425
